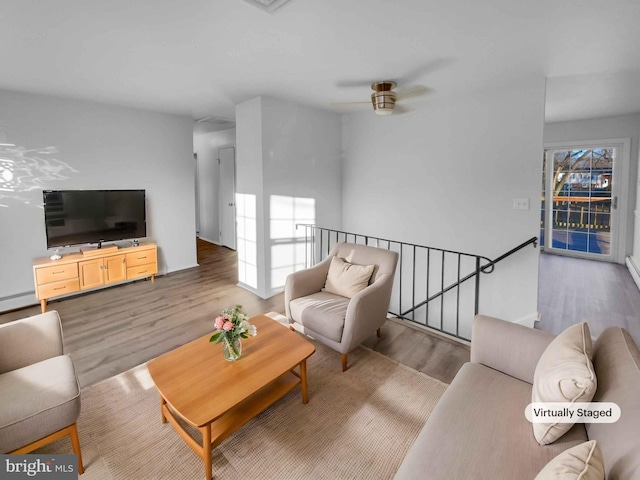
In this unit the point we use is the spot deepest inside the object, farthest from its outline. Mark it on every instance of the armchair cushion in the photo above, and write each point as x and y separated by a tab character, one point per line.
321	312
346	279
37	400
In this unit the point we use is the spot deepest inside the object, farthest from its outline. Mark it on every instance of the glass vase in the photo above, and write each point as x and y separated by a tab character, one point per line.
232	350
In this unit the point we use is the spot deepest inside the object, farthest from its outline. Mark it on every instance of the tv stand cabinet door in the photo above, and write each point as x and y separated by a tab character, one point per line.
91	273
115	269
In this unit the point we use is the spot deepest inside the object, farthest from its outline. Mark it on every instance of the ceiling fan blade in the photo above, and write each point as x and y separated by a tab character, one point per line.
413	92
429	67
401	109
353	83
350	106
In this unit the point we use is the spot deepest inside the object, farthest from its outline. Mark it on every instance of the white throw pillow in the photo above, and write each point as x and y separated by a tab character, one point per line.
347	279
582	462
564	374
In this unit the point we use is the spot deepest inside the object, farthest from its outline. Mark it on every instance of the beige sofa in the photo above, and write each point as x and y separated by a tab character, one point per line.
478	429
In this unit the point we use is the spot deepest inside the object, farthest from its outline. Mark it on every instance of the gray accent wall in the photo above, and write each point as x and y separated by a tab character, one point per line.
61	143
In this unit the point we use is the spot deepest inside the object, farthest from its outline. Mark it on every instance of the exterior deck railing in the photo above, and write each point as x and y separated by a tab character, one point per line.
433	286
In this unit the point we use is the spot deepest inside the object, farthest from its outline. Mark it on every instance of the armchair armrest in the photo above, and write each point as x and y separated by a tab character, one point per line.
305	282
30	340
367	311
508	347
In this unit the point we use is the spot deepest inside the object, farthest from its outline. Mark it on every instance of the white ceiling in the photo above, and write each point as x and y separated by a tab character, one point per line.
201	57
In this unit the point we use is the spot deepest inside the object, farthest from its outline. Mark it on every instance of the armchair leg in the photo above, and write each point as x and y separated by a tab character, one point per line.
75	444
379	333
344	362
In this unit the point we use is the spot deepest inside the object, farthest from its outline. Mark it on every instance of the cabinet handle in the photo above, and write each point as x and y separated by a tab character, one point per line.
144	271
142	258
124	260
56	273
59	288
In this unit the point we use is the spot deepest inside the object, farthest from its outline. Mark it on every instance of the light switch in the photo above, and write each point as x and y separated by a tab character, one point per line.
521	204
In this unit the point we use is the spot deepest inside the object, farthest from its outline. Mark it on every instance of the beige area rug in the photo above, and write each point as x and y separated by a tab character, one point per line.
357	425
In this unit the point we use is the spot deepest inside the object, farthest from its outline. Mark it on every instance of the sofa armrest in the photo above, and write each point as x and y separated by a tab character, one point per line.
367	311
305	282
30	340
508	347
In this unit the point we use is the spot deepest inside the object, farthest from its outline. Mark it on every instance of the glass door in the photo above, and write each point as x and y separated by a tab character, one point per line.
579	201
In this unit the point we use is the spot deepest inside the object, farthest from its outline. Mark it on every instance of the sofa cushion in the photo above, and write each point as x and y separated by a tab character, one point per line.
346	279
37	400
478	430
321	312
564	374
616	359
582	462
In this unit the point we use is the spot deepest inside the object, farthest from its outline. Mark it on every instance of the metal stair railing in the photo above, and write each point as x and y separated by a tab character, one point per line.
424	275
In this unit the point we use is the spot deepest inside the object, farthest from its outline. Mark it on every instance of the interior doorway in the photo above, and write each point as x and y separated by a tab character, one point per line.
226	197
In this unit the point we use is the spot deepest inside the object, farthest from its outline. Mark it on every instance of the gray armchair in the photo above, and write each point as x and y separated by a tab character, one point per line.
339	322
38	384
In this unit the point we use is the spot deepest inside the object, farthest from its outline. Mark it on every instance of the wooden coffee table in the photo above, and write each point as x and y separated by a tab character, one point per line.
198	385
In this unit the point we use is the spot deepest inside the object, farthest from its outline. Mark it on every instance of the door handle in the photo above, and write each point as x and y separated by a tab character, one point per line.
614	204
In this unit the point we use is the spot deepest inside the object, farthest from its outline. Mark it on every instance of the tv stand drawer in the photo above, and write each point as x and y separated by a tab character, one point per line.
56	273
59	288
141	257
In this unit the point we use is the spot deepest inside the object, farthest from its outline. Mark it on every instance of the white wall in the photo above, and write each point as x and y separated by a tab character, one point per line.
302	166
289	158
445	175
71	144
207	145
627	126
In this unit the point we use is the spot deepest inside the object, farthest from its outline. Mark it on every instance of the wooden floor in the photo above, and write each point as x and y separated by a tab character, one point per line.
572	290
112	330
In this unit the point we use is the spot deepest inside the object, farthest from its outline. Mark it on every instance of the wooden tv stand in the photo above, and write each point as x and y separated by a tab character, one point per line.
93	268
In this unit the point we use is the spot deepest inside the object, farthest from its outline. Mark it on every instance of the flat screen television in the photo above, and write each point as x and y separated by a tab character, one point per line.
75	217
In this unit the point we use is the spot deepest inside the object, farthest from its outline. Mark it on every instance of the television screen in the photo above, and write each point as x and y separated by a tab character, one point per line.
74	217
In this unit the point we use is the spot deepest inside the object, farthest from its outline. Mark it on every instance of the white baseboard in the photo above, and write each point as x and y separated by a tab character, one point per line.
528	320
14	302
634	270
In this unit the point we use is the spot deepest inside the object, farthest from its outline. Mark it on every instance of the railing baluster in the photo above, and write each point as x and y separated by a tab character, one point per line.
413	285
442	296
458	299
477	292
426	321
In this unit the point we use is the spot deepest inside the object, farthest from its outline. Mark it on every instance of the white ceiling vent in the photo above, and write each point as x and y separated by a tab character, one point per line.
268	5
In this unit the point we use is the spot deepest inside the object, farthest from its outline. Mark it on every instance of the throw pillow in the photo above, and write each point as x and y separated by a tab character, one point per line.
582	462
347	279
564	374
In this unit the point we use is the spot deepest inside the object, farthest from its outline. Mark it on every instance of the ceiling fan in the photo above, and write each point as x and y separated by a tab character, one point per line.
385	99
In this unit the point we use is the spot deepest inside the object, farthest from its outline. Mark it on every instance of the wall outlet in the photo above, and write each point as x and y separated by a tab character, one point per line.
521	204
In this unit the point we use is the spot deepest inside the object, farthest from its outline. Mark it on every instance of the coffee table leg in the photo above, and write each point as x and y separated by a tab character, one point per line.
162	404
303	380
206	450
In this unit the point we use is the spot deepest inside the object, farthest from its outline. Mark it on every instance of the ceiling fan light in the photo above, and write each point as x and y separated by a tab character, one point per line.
383	102
383	111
